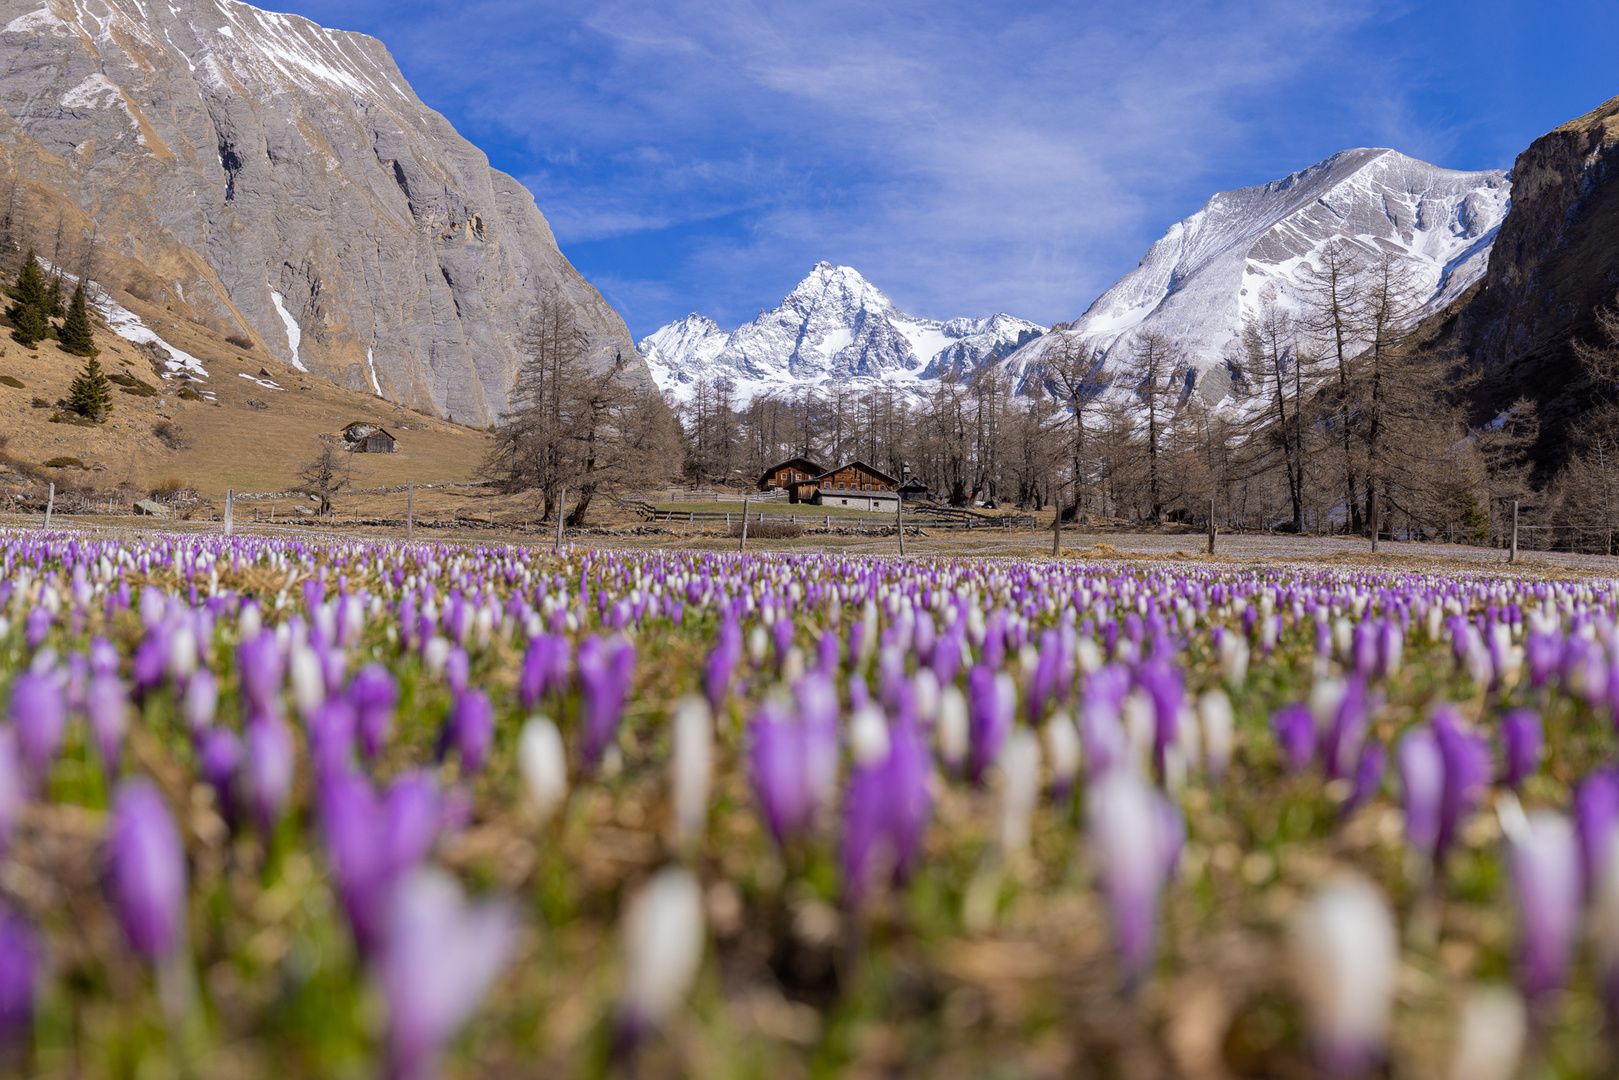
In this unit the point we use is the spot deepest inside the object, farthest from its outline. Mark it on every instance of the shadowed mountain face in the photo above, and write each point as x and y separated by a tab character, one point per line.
1555	262
1220	266
281	182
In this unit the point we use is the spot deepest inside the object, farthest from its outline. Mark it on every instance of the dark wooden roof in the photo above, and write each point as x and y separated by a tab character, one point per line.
876	474
804	465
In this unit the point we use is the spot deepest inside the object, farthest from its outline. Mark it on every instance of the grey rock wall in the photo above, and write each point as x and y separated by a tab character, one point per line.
285	182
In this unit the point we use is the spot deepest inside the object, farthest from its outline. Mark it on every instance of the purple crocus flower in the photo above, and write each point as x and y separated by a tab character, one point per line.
151	660
259	667
1422	786
439	956
103	657
19	964
36	627
1162	683
776	760
782	632
1100	729
1596	816
373	842
1522	739
1047	672
268	776
457	669
606	673
470	728
38	713
147	870
331	728
107	706
721	663
1126	841
947	653
546	667
828	654
219	757
1543	652
1368	776
1466	757
373	694
1295	732
886	811
1546	878
991	706
1340	748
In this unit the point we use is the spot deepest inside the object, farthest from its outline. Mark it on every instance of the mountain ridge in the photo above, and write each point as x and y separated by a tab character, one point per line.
834	325
1215	268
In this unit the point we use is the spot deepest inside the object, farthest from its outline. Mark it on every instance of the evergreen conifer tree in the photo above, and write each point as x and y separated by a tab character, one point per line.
76	334
53	297
30	287
30	313
90	395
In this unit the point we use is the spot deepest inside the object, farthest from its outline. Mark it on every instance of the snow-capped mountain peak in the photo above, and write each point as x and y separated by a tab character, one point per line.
1219	266
833	325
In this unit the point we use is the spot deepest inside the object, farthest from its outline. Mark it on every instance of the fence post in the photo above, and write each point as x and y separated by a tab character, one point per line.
899	523
562	508
1375	522
1513	557
410	509
744	545
1211	526
230	508
50	504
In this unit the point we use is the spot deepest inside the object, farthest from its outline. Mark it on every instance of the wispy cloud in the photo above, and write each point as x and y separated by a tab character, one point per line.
967	157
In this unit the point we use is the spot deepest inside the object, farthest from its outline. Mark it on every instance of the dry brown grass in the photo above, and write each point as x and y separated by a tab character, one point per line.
769	530
170	486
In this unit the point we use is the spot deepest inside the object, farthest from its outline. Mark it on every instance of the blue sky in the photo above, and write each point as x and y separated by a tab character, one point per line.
967	157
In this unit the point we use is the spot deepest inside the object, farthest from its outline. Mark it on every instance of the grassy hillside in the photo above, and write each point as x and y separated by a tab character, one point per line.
220	443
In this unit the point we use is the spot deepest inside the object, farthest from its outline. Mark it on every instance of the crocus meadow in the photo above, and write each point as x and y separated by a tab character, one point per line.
276	806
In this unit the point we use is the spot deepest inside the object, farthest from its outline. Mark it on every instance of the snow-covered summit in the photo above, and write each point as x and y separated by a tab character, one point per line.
1219	266
834	325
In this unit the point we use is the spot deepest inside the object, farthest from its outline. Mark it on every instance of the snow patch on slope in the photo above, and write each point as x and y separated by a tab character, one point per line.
127	325
34	22
294	335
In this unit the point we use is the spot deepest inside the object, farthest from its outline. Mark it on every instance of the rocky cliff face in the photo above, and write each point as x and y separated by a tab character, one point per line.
279	181
1555	262
834	325
1218	267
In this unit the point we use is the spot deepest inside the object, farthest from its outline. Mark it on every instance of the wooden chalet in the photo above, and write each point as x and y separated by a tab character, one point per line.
857	486
369	439
796	475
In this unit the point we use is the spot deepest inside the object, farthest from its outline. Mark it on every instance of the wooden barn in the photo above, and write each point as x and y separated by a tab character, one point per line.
369	439
797	475
913	490
857	486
